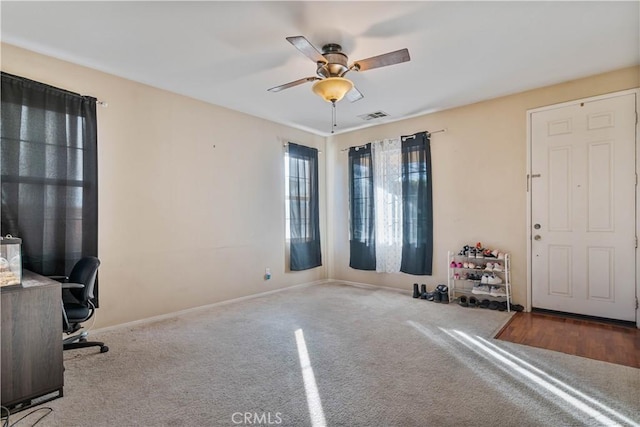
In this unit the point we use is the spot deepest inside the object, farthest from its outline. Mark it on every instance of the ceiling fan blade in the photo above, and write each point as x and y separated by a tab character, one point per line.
383	60
292	84
303	45
354	95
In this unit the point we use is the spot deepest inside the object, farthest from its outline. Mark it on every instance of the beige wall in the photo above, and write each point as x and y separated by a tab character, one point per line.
191	200
479	184
191	194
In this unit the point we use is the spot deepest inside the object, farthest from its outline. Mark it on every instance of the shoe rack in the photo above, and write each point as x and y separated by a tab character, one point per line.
465	277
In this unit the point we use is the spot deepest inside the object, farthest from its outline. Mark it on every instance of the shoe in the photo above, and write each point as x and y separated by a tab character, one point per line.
456	276
484	303
460	265
497	267
485	279
489	254
416	293
481	290
423	291
465	265
444	297
463	301
472	253
494	280
493	305
453	264
497	291
437	297
517	307
442	288
500	255
473	302
502	306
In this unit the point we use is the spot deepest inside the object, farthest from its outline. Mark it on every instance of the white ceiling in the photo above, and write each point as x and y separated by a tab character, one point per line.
230	53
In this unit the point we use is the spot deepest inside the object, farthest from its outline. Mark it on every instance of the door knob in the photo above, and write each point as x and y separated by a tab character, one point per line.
537	237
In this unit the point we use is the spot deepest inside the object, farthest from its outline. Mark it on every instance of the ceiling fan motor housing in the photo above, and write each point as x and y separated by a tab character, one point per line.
336	65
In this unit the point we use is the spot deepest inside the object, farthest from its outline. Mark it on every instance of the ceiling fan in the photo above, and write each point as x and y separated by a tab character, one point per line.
330	83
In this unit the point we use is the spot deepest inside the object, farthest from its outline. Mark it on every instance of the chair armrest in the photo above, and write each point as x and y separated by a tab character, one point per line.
72	286
59	278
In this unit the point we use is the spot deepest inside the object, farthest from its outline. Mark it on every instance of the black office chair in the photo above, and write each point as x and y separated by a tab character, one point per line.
77	292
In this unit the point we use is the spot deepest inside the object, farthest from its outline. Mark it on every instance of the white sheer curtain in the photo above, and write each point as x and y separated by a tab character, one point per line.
387	181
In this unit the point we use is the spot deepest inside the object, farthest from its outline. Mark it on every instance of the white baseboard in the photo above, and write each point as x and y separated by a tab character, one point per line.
203	307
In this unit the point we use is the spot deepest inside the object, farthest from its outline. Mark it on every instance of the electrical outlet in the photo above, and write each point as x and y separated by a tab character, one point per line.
267	273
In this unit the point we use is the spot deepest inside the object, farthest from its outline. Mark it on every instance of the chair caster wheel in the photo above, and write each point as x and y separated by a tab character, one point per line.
104	349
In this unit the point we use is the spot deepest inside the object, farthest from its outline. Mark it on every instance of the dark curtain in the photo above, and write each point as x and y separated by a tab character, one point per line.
362	209
304	208
417	208
49	174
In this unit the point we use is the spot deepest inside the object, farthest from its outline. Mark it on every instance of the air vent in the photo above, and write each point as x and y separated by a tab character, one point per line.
373	116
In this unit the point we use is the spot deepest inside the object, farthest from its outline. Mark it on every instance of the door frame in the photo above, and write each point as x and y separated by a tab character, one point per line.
529	193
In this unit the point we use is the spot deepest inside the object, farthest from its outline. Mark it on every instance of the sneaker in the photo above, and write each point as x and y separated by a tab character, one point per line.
494	253
497	291
463	301
460	265
494	280
517	307
489	267
500	255
453	264
497	267
481	290
489	254
465	265
485	279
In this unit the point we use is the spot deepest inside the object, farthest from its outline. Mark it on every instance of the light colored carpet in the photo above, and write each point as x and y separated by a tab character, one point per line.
379	358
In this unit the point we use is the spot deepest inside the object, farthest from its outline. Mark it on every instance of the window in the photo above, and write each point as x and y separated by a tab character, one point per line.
49	173
298	191
391	212
362	212
302	207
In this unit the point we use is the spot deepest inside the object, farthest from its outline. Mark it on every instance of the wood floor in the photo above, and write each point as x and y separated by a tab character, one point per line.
592	339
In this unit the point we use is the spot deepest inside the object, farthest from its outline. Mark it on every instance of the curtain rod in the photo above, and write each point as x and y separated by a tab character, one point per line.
286	144
404	138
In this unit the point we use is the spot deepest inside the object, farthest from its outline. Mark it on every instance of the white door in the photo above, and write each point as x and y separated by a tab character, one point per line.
583	184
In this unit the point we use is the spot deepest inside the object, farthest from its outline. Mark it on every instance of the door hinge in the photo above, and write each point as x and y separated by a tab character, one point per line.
636	303
636	242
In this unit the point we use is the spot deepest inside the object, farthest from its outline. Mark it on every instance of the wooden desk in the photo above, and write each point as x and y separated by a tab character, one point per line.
31	352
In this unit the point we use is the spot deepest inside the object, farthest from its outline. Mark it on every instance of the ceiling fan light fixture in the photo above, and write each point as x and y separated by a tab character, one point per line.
332	89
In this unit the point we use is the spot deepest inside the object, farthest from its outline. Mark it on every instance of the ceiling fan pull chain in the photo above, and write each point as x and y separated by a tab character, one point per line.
333	116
